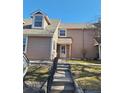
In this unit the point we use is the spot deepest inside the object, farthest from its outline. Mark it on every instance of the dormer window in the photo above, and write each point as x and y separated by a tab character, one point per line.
38	21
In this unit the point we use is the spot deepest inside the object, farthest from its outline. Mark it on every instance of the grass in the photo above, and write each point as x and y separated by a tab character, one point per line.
84	62
36	73
87	73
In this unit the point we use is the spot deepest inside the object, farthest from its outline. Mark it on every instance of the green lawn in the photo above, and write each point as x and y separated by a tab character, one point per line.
87	73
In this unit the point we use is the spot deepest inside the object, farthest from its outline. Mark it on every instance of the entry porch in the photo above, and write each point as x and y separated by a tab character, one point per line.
64	48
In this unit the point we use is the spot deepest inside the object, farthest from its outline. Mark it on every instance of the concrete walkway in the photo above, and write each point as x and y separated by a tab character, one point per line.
62	82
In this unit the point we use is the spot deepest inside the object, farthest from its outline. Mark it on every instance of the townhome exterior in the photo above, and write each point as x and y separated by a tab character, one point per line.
45	38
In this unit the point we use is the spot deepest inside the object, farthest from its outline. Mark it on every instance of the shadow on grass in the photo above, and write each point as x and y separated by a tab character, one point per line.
87	76
85	71
36	73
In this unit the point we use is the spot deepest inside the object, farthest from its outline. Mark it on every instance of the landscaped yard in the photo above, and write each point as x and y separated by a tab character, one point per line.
87	74
36	74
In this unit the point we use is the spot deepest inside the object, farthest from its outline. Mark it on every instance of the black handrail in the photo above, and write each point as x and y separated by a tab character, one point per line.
50	77
25	58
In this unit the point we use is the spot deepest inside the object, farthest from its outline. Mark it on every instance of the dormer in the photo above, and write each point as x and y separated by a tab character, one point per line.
40	20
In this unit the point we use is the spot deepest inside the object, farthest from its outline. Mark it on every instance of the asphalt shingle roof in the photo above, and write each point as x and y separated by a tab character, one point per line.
79	26
48	31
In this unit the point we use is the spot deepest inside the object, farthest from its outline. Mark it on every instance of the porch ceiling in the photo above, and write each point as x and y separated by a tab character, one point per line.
64	41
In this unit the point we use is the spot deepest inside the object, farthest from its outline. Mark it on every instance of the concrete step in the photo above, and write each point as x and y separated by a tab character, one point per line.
64	66
62	89
58	75
62	74
62	81
62	69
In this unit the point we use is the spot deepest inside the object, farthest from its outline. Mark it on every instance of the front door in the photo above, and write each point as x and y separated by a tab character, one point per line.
63	51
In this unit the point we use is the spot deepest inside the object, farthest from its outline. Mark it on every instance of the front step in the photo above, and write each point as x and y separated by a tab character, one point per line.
62	89
63	65
62	82
62	74
62	69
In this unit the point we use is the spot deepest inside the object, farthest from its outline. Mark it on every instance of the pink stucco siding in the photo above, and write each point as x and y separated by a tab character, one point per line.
82	40
38	48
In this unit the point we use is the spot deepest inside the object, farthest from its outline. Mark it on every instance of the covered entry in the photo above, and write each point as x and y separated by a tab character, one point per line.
64	47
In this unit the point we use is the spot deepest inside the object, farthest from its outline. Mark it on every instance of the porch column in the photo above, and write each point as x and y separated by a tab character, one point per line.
70	51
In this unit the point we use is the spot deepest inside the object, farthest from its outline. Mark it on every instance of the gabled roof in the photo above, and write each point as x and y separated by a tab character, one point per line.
39	12
48	31
42	13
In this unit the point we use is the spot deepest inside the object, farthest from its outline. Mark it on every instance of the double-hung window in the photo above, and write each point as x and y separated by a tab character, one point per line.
38	21
62	33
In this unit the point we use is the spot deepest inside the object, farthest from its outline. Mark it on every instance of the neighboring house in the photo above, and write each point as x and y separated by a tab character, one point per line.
46	38
97	37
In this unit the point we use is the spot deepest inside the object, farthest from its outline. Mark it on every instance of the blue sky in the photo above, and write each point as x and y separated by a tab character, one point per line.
69	11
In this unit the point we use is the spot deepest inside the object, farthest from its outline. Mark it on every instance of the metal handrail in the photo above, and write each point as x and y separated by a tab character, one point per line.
48	83
25	59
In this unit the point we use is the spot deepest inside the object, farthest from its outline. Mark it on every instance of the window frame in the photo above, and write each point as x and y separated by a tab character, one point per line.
38	21
33	21
62	35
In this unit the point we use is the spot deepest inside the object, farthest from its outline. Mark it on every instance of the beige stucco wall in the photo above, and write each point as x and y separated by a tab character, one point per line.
54	41
45	24
38	48
78	39
89	44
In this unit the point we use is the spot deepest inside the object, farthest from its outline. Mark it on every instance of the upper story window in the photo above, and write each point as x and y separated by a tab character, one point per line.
38	21
62	33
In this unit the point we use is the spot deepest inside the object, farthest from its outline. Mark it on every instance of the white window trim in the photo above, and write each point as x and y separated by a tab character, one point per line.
42	26
26	44
65	33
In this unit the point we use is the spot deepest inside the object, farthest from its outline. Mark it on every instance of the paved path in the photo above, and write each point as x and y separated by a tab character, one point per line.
62	82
